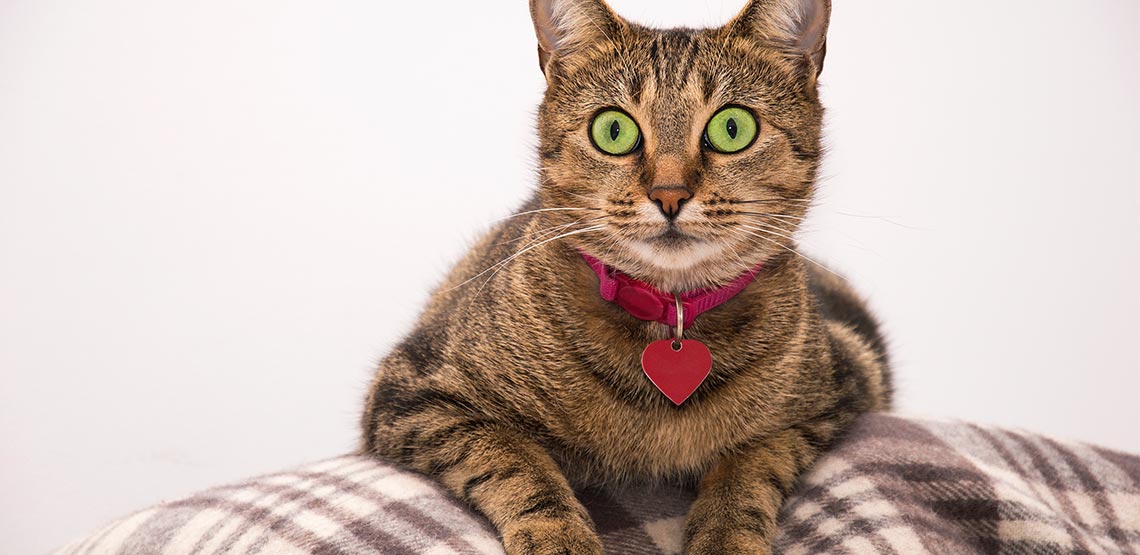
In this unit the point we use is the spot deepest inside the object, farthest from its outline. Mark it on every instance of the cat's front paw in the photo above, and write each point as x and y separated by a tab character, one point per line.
728	543
551	537
726	532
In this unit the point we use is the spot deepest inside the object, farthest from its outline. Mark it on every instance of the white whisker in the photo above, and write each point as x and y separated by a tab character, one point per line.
767	215
881	218
494	268
793	251
546	232
540	210
768	229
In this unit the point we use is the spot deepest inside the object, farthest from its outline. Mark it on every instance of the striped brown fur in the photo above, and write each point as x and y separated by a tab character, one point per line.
520	382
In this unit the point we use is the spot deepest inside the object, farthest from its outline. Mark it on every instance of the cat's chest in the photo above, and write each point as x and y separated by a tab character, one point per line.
649	440
613	420
619	447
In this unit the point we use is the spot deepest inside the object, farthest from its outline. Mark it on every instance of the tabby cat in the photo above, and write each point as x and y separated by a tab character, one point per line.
680	158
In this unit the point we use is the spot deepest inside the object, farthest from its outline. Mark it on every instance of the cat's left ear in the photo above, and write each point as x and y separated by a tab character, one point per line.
798	27
564	26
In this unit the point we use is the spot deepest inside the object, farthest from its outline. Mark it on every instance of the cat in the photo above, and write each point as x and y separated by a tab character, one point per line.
682	160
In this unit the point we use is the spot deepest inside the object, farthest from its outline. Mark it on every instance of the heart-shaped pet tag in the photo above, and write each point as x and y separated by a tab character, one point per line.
676	372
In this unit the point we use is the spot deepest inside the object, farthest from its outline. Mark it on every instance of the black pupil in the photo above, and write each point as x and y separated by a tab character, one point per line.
615	130
730	126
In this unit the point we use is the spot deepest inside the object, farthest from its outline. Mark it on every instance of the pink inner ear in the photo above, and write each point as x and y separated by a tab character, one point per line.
799	25
566	24
543	14
812	24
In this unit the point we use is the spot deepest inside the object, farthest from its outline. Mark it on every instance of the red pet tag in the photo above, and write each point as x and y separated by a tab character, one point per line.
677	366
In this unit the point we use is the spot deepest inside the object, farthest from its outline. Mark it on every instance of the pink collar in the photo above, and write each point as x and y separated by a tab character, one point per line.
645	302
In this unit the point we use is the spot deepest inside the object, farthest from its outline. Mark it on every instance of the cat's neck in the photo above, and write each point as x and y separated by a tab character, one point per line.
645	302
682	279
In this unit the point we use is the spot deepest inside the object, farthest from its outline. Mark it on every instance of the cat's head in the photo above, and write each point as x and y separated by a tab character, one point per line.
683	157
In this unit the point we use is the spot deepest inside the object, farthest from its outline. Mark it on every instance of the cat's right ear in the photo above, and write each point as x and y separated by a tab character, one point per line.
564	26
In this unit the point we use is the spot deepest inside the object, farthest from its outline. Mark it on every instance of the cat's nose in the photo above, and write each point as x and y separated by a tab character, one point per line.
670	199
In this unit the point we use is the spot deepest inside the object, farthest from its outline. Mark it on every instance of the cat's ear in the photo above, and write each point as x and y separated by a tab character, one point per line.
563	26
799	27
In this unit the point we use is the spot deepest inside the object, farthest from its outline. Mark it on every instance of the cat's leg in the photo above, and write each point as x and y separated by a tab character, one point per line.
736	506
498	471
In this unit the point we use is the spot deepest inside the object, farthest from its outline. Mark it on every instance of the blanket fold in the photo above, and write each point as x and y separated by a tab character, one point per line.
894	485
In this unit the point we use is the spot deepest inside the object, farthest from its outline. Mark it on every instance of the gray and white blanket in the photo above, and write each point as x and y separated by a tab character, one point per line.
893	486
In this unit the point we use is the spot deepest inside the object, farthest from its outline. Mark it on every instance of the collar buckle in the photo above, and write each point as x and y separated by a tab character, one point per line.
640	302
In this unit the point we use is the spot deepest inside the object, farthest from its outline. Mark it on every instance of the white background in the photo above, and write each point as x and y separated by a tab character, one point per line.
215	216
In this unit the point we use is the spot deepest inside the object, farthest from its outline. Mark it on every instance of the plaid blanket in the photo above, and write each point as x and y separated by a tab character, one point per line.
893	486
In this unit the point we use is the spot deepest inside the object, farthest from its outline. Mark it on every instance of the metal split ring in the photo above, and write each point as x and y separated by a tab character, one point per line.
680	323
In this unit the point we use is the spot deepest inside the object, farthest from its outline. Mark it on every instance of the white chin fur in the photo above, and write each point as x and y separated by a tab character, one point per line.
676	259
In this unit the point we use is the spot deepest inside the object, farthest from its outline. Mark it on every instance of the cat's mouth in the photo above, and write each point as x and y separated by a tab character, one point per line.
674	249
673	237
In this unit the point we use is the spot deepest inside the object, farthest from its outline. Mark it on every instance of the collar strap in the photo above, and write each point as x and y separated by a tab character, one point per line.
645	302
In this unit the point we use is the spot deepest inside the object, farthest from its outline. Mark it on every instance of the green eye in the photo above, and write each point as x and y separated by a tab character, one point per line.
614	132
731	130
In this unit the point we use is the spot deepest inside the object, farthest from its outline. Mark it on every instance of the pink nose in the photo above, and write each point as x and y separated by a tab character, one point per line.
670	199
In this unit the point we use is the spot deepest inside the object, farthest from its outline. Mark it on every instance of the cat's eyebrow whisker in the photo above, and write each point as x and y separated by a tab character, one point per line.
540	210
494	268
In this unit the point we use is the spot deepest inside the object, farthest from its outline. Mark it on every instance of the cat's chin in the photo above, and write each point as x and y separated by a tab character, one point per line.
678	264
674	254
